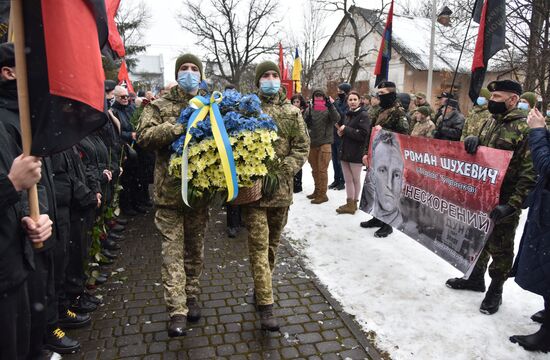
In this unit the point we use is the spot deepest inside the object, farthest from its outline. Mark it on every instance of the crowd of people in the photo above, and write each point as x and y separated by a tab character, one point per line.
45	291
48	289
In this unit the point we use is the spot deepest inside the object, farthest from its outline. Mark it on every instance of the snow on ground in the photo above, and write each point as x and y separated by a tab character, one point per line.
396	287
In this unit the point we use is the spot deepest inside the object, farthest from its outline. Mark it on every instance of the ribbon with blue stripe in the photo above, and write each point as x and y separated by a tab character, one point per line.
204	106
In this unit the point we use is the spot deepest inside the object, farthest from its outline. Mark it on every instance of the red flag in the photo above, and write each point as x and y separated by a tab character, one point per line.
65	73
282	67
124	78
115	41
382	68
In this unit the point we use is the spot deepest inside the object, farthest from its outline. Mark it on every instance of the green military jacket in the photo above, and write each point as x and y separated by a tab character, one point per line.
292	147
475	120
321	125
156	132
393	119
510	132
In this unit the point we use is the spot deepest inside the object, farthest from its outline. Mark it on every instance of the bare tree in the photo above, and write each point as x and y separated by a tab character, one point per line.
234	33
357	35
132	20
313	34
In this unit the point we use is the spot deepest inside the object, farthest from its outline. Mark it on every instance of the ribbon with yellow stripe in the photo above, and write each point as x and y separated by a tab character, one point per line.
204	106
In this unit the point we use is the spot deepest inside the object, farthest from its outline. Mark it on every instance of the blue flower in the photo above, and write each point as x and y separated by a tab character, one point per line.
231	97
177	146
185	115
250	104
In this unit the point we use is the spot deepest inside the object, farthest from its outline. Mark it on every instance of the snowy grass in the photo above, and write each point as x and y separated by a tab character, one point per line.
396	287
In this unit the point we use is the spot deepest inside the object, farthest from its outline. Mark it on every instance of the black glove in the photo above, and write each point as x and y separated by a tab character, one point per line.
471	144
501	213
327	102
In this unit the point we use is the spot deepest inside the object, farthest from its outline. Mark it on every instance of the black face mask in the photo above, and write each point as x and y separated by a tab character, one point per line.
387	100
497	107
9	87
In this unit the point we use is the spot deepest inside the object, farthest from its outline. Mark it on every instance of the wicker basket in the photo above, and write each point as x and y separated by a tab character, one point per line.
248	195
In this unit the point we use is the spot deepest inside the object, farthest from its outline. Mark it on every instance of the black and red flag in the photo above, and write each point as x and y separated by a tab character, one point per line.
491	38
64	69
115	46
124	77
382	68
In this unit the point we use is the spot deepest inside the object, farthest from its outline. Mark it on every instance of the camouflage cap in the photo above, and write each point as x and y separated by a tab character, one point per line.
424	110
484	92
263	67
420	95
531	98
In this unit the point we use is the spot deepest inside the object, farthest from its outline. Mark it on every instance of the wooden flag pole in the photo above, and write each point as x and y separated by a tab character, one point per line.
23	99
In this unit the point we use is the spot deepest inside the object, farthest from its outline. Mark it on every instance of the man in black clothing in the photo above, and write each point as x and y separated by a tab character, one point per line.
450	124
341	105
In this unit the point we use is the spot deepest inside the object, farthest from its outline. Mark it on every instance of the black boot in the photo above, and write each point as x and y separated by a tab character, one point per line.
81	305
333	184
91	298
476	281
71	320
194	313
384	231
121	221
539	341
108	254
493	298
110	244
268	321
372	223
340	186
57	341
177	326
539	316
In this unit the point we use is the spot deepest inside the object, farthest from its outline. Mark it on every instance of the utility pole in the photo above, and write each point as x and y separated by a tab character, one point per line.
432	45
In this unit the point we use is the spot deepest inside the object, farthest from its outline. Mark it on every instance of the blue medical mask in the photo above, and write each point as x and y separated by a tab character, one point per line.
548	113
481	101
270	87
188	81
523	106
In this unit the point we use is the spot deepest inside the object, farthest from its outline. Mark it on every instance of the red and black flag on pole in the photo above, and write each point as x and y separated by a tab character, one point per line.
382	68
124	77
491	37
64	69
114	48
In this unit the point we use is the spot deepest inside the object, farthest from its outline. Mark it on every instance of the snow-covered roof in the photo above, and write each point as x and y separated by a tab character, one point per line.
411	39
149	64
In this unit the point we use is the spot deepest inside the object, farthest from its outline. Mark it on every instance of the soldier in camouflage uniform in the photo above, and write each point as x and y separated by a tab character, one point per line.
391	117
182	228
478	116
266	218
507	129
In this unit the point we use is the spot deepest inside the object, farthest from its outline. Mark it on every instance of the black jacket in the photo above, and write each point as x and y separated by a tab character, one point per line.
124	114
450	127
15	250
9	116
356	135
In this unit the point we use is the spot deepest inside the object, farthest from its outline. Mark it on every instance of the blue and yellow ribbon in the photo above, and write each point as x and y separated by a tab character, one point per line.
204	106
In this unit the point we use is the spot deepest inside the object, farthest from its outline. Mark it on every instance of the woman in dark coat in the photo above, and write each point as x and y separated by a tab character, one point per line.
532	267
354	129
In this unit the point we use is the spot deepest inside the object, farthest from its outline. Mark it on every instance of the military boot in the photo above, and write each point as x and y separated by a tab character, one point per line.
56	340
539	341
319	199
372	223
493	298
349	208
384	231
177	326
194	313
476	281
268	321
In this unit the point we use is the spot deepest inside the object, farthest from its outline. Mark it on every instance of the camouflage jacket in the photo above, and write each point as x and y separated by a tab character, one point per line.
373	112
292	147
156	132
475	120
548	122
423	129
510	132
393	119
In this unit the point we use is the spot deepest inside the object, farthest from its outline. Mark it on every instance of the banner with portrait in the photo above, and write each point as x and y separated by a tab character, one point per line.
435	192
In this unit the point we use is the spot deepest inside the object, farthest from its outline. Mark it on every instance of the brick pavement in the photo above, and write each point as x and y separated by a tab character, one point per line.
132	322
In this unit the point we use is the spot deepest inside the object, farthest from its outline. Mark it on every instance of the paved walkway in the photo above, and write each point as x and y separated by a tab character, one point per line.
132	322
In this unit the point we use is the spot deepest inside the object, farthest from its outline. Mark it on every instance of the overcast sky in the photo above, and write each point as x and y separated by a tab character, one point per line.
165	36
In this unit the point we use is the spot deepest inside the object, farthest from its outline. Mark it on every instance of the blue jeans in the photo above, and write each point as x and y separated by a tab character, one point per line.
338	174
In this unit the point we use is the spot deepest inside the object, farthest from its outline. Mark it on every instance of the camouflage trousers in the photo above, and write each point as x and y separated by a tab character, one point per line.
265	225
182	255
500	247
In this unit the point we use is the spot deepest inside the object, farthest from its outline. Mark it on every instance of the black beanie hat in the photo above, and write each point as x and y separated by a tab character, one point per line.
188	58
261	69
505	85
109	85
7	55
345	87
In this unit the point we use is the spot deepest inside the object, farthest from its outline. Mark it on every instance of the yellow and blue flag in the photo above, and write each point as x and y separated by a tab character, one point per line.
297	73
